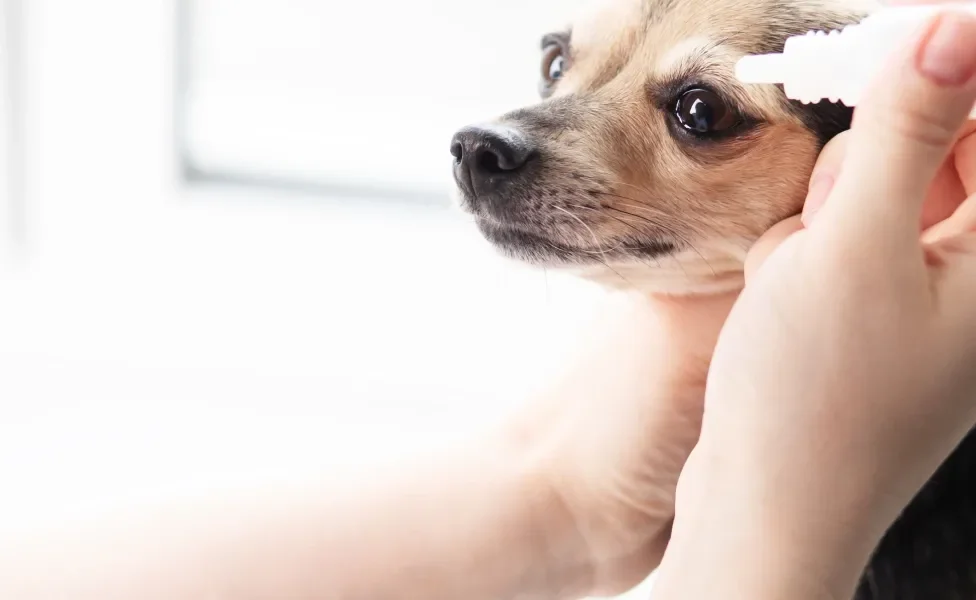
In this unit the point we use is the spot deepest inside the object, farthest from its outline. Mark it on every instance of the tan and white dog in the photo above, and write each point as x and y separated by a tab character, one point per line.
646	165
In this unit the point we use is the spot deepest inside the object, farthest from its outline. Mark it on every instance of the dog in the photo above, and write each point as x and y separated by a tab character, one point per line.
647	166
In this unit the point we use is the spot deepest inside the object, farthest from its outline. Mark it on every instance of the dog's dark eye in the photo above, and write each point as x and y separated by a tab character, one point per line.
553	64
704	112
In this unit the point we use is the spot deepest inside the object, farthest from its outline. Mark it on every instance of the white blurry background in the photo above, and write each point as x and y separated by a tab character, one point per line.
155	332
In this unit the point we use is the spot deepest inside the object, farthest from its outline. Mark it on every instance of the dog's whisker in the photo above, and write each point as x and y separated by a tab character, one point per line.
602	261
638	189
644	209
596	240
648	209
681	238
676	261
640	207
670	232
625	224
615	272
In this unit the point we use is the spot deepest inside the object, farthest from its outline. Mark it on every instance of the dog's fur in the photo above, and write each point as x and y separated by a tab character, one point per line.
615	187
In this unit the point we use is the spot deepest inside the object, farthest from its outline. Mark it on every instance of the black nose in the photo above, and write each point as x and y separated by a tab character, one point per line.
486	158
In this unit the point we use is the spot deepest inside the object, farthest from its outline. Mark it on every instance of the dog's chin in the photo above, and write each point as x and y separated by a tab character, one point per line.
526	245
535	246
660	268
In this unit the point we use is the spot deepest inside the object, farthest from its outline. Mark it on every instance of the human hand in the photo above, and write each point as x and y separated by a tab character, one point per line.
615	432
843	376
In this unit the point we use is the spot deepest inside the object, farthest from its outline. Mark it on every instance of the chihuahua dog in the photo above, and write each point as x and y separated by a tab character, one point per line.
647	166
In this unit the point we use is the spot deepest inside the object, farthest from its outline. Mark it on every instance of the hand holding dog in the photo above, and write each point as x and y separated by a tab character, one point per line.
614	434
843	376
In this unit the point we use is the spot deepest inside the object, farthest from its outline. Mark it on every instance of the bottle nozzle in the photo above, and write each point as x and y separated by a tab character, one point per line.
762	68
836	65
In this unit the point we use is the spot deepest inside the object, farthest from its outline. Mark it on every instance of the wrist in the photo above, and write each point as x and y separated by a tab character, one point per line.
592	547
751	569
759	564
739	536
585	546
545	540
610	437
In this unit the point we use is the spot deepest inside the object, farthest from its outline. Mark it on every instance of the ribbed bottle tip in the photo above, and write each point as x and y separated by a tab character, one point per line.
762	68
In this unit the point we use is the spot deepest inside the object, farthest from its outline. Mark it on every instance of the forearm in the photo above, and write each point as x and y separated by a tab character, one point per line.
490	528
473	526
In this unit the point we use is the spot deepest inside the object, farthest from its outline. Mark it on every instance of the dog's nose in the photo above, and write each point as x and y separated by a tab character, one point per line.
484	158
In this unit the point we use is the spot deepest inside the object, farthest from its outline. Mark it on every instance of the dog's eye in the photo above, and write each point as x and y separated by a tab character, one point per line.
704	112
553	64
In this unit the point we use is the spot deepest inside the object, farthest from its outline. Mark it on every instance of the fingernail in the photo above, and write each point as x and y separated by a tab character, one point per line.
820	186
947	55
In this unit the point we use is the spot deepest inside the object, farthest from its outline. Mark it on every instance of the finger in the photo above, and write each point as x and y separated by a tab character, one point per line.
964	156
955	258
962	221
903	131
768	243
825	173
944	196
956	180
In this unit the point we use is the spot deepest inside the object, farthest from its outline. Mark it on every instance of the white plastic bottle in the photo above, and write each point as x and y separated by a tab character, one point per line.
838	65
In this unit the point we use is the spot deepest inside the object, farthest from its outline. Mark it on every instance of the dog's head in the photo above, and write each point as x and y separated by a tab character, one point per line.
647	164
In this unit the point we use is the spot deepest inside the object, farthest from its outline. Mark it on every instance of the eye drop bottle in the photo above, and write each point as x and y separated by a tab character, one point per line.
837	66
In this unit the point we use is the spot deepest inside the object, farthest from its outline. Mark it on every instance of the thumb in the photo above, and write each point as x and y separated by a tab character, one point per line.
903	131
768	243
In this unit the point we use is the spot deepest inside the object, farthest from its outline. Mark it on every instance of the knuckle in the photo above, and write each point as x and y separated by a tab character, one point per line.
958	245
913	122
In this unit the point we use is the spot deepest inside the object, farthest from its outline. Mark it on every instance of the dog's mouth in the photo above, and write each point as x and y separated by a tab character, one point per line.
538	246
537	206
